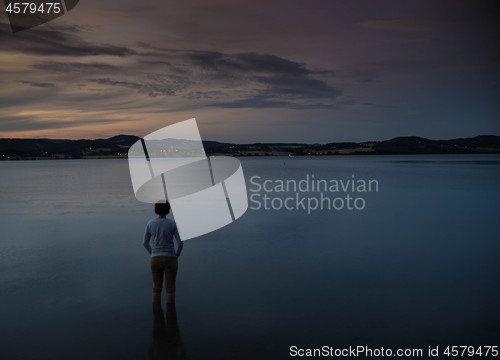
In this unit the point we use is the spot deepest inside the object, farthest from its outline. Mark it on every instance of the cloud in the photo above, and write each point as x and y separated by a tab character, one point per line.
28	123
401	25
189	78
151	80
299	87
216	79
288	92
51	40
264	102
72	67
37	84
196	79
248	62
153	88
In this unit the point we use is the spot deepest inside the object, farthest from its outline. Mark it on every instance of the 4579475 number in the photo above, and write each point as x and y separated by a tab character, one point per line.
34	8
471	351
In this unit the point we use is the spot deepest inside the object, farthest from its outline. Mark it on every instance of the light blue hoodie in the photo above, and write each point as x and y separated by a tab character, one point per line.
159	237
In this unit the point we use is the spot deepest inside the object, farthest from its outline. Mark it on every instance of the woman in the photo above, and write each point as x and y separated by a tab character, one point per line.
159	242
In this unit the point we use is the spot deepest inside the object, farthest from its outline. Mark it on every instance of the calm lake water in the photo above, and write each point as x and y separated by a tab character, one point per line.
417	267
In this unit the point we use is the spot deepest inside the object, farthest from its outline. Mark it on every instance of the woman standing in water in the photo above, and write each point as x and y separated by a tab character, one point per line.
159	242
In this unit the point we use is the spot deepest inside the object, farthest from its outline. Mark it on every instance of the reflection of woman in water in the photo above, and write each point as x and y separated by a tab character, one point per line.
159	242
167	341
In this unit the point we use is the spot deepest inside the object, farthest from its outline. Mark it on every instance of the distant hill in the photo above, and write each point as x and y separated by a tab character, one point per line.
418	145
117	146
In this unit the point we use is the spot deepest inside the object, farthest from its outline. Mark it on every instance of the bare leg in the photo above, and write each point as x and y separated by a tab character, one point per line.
170	276
171	298
157	274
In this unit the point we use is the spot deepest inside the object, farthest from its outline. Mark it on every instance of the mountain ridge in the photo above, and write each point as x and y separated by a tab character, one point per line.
117	146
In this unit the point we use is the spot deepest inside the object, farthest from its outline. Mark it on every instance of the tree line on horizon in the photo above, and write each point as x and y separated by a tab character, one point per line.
117	146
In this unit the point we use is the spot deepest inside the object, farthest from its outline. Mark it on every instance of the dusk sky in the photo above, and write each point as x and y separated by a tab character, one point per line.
256	71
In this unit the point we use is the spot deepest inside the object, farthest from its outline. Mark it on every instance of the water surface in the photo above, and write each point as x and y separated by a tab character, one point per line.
417	267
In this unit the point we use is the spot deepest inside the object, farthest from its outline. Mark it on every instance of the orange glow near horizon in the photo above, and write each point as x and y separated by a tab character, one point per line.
215	124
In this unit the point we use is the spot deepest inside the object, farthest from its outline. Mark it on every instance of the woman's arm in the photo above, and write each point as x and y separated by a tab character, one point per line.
147	237
179	242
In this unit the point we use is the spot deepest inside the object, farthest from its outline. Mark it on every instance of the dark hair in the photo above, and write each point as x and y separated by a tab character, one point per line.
162	208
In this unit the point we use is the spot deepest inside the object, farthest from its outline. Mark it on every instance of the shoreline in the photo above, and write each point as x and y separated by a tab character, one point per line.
110	157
